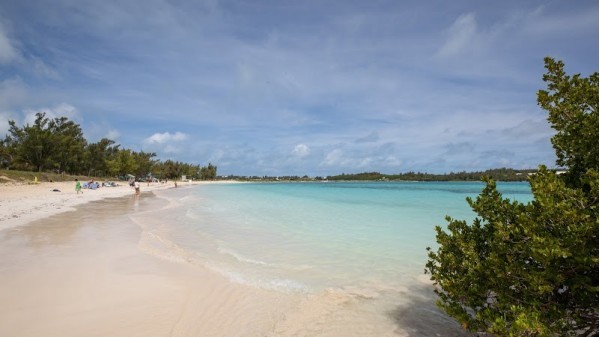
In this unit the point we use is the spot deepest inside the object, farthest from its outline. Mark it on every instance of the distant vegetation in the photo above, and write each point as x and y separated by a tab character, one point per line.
502	174
58	146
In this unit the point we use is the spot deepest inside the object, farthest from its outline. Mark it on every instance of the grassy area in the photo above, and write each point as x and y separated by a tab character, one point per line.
27	177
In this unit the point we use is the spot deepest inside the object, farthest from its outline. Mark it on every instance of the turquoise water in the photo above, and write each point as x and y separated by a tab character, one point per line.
307	237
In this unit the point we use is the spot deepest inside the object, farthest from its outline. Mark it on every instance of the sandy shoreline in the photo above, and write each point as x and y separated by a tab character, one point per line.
24	203
87	273
83	274
71	265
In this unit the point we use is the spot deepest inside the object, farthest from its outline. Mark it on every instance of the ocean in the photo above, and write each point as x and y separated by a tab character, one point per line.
363	240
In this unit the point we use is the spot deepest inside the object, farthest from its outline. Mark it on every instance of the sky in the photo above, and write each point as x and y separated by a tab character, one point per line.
281	87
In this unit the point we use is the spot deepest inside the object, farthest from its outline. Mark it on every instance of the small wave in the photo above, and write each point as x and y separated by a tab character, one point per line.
286	284
161	247
158	244
190	199
283	285
240	257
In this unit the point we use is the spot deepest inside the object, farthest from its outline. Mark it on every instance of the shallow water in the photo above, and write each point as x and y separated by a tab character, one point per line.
360	244
309	236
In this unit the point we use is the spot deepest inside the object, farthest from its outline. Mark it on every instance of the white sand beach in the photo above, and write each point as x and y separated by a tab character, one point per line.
23	203
64	276
75	265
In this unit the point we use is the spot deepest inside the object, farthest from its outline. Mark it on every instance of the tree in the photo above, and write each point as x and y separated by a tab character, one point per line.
144	163
6	157
97	156
122	163
532	269
572	103
208	173
68	144
168	170
59	144
48	143
31	145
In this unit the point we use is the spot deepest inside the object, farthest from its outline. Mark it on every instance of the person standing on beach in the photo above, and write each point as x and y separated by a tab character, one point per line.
136	185
78	186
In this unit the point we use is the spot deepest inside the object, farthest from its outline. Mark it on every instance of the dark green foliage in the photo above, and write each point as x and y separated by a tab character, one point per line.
572	104
532	269
208	173
502	174
58	145
122	162
175	170
47	144
143	162
358	176
69	144
6	155
97	156
30	145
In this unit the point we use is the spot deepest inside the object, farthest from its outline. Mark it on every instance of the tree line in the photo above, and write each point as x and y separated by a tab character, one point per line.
58	145
501	174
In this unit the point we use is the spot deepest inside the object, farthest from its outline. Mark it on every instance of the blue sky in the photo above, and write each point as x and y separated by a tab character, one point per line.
298	87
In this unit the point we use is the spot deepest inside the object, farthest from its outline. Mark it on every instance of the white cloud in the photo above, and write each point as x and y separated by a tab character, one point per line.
392	161
95	131
460	36
333	158
301	150
171	149
165	137
8	52
528	129
370	138
112	134
4	118
64	109
42	69
366	162
460	148
61	110
541	22
13	92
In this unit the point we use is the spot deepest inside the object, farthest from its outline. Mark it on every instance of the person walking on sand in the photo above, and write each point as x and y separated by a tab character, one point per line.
78	186
136	185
